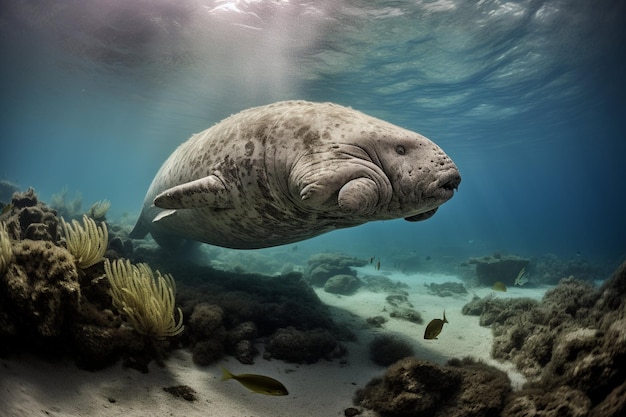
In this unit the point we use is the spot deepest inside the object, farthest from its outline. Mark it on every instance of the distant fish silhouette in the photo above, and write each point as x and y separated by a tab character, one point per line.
434	327
378	265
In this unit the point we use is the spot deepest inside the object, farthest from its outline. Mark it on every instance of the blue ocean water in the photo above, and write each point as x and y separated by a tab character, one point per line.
527	97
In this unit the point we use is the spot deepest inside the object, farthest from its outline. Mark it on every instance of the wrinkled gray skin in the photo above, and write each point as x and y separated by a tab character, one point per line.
290	171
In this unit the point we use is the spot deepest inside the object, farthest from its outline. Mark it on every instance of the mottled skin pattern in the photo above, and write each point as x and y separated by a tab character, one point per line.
292	170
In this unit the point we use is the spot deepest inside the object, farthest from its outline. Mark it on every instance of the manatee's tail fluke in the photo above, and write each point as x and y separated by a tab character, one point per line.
140	230
225	374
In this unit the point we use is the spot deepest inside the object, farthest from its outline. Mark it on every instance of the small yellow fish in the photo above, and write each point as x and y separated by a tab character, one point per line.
499	286
257	383
434	327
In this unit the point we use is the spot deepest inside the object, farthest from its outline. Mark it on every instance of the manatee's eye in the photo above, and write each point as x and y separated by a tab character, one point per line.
400	150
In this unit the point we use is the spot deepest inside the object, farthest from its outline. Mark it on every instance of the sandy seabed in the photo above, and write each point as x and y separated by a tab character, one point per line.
30	386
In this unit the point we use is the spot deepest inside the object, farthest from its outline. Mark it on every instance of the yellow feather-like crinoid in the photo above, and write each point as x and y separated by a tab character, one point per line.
145	298
6	251
87	242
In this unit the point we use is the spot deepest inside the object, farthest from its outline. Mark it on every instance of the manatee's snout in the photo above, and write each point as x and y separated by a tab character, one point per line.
448	183
441	189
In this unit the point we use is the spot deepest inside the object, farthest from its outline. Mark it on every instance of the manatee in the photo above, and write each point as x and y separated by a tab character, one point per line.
289	171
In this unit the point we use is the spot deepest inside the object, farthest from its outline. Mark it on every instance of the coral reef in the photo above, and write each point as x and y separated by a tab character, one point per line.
48	305
570	346
386	349
325	265
39	289
85	313
413	387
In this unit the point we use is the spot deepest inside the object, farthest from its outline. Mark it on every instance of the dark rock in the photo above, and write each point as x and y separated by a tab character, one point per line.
379	283
245	352
412	387
407	314
299	346
325	265
243	331
504	268
342	284
447	289
27	198
376	321
183	391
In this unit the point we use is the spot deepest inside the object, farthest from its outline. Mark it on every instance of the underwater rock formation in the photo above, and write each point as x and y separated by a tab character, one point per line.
549	269
207	333
413	387
283	311
380	283
342	284
325	265
27	218
446	289
402	309
48	305
503	268
39	289
572	343
303	346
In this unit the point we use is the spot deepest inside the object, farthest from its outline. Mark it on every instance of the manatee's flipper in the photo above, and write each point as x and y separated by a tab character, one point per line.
422	216
359	196
207	192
